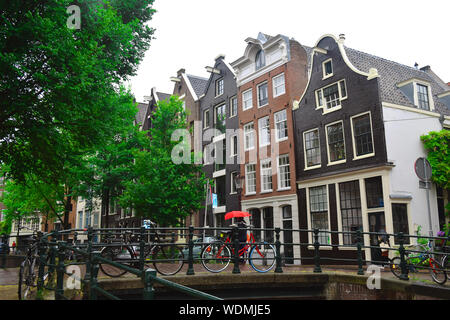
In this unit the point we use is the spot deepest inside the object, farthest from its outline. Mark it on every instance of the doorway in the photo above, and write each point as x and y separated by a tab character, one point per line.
376	224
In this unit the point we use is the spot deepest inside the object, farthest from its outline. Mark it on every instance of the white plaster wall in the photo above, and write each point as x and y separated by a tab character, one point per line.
403	148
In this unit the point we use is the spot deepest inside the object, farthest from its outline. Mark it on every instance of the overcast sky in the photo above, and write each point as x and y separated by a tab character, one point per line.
191	33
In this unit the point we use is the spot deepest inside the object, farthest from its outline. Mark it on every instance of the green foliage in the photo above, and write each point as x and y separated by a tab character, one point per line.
162	190
60	89
437	145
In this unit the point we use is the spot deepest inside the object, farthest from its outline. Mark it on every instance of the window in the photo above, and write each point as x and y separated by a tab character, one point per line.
327	68
422	97
219	117
374	192
400	220
87	219
249	136
281	125
318	207
264	131
262	95
260	60
234	146
268	224
350	201
362	135
247	100
233	177
219	87
80	219
233	107
330	97
206	119
278	85
335	140
266	175
220	154
284	174
312	148
250	178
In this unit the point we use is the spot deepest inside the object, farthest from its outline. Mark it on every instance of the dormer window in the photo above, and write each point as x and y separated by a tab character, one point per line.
422	97
418	93
260	60
327	68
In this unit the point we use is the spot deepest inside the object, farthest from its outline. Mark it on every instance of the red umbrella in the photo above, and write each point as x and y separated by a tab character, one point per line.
236	214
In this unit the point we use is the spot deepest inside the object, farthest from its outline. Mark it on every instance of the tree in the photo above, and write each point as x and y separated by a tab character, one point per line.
437	144
60	88
108	167
163	190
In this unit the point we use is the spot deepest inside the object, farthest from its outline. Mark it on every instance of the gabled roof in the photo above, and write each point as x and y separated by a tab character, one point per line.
392	73
142	111
198	84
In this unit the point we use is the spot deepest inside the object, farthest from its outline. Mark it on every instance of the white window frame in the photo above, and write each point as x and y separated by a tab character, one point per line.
415	81
218	81
244	101
279	172
274	87
323	105
262	142
215	113
249	133
257	93
231	106
206	117
233	144
368	155
247	178
263	174
276	127
326	76
304	151
233	182
330	163
308	210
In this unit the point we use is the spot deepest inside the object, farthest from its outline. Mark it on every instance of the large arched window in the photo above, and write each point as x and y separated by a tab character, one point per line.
260	60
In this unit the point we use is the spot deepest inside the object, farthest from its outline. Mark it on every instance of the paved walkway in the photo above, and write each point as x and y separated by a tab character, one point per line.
9	276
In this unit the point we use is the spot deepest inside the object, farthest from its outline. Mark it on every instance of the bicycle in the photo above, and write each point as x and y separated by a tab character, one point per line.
28	272
414	262
216	256
167	261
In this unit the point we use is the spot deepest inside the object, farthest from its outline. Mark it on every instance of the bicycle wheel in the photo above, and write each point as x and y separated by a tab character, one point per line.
215	257
167	260
120	254
395	267
27	288
437	272
446	265
262	258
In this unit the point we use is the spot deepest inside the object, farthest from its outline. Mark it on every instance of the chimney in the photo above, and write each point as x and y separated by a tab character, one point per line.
181	71
342	36
425	68
416	65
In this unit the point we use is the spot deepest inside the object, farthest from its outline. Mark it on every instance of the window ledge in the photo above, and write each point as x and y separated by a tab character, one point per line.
250	194
266	191
313	167
327	76
263	105
364	156
322	247
284	189
337	162
279	95
325	111
282	139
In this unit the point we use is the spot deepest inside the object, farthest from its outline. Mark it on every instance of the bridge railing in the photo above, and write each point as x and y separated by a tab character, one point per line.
83	247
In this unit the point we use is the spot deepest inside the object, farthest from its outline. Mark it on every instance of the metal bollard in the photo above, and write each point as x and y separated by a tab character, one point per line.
359	252
190	270
401	249
278	268
142	249
236	269
317	268
149	291
60	271
93	282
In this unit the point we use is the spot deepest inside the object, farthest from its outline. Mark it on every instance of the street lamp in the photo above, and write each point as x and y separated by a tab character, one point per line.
239	184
